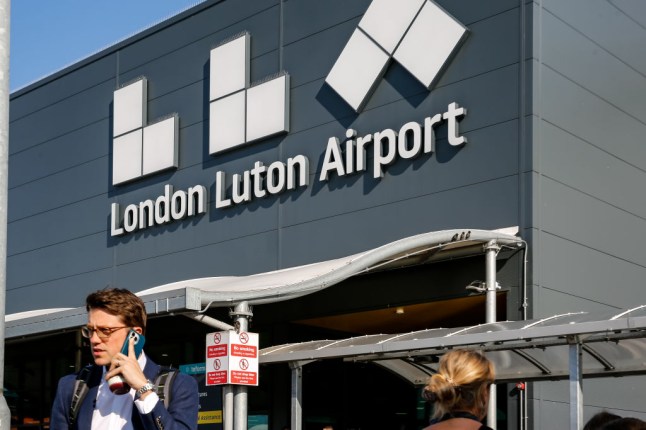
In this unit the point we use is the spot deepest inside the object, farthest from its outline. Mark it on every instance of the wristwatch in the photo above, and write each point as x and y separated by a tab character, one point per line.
147	387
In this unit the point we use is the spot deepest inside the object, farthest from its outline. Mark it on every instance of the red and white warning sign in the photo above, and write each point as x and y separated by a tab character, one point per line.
232	358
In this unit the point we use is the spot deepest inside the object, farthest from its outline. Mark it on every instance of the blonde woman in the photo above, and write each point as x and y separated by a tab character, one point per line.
460	391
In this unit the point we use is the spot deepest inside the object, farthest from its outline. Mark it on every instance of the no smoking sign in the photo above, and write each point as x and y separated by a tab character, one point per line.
232	358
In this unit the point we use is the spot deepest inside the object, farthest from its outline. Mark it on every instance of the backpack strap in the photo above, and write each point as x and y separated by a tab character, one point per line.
164	384
80	391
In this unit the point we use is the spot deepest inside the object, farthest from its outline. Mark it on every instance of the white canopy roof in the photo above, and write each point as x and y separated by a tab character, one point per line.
613	344
196	295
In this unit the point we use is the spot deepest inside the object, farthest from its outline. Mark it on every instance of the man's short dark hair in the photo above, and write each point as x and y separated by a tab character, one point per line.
119	302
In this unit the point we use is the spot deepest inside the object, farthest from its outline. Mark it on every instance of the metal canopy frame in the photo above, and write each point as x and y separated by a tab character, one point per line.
569	346
196	296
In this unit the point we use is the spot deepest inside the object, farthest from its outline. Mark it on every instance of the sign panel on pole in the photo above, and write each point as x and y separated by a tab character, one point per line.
232	358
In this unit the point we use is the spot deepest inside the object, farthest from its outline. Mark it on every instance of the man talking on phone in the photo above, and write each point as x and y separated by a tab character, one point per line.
117	320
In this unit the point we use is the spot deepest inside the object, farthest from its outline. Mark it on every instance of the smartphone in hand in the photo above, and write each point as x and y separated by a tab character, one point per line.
140	340
117	384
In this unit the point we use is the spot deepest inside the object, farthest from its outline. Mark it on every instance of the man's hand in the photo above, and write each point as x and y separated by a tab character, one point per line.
128	367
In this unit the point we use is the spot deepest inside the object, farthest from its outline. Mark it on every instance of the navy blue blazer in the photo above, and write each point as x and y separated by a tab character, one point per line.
181	413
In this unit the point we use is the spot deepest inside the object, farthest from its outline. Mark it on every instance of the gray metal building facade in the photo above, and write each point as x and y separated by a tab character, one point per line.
554	93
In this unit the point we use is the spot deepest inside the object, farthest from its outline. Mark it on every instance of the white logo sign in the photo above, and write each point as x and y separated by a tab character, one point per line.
406	31
138	148
239	113
418	34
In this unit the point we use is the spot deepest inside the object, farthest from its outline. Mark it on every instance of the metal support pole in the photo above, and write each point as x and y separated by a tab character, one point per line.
240	411
227	407
521	402
212	322
576	384
241	314
491	252
5	14
297	396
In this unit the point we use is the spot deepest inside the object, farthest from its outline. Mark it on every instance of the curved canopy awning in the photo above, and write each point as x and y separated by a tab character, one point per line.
197	295
613	344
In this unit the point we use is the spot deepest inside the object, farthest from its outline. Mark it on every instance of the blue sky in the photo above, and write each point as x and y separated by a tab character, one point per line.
48	35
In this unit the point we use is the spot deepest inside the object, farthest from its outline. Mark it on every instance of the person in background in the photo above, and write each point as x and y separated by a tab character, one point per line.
112	313
625	424
459	391
599	419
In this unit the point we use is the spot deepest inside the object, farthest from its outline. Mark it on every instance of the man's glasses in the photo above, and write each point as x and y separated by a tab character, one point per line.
102	332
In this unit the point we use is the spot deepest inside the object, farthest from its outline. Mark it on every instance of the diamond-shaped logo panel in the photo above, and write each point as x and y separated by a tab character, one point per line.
418	34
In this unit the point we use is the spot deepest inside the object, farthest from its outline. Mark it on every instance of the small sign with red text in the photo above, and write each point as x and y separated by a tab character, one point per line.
244	351
232	358
216	351
244	378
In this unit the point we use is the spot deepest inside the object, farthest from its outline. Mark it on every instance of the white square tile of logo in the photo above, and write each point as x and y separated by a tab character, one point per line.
227	122
129	109
267	108
229	67
159	145
126	157
433	31
358	69
386	21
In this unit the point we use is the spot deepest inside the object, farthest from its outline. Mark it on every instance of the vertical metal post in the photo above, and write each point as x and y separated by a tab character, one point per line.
227	406
240	407
241	314
5	14
297	396
491	252
576	384
521	403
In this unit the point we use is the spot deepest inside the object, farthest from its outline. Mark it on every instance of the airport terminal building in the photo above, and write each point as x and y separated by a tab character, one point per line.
347	168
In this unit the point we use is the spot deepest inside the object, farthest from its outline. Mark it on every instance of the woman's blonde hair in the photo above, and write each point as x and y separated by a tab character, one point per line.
457	386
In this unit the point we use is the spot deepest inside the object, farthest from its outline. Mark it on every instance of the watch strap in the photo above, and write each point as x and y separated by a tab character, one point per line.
149	386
